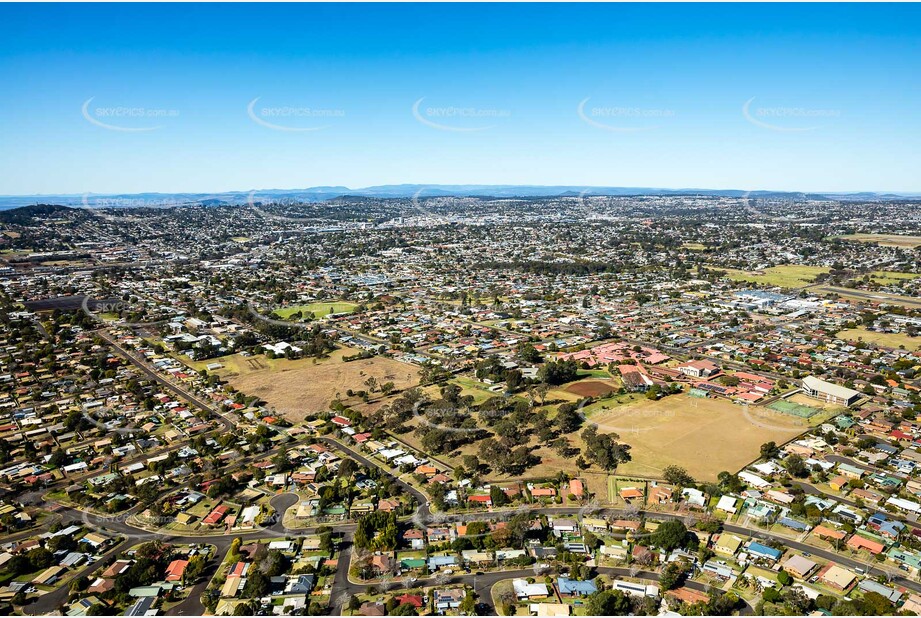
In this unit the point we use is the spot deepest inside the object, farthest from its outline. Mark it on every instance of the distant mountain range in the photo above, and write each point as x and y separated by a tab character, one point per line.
319	194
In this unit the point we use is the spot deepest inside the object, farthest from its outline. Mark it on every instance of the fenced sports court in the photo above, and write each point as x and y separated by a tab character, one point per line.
793	409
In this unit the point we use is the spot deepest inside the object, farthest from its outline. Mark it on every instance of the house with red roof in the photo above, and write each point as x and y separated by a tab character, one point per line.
175	570
479	499
857	543
215	516
576	488
410	599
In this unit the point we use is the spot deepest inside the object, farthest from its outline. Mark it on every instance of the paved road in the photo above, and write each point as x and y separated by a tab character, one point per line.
854	462
484	592
873	296
227	420
53	601
343	587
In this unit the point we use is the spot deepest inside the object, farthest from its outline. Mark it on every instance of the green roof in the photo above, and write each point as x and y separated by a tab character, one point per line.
145	591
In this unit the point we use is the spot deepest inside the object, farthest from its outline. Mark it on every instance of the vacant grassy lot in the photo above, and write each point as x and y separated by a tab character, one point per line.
886	240
705	436
319	310
891	340
887	277
474	388
786	276
301	387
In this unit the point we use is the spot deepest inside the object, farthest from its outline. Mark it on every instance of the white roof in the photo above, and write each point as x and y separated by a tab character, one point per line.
524	589
753	479
905	505
727	503
841	392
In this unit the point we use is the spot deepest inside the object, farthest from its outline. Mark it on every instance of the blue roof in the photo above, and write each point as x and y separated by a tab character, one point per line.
893	528
764	550
571	586
437	561
792	523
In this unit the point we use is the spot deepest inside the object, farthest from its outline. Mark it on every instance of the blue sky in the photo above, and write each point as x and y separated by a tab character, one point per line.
129	98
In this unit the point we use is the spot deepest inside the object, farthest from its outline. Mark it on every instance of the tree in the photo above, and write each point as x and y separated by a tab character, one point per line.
404	609
529	353
567	418
513	380
672	575
558	372
670	535
676	475
796	466
771	595
729	482
608	603
769	450
497	496
281	461
604	449
471	463
468	604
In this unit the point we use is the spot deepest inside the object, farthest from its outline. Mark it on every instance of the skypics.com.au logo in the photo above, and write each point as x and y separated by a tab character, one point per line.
126	119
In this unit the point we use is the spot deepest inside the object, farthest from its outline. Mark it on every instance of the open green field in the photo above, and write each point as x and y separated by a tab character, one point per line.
888	277
319	310
890	340
474	388
595	373
786	276
705	436
886	240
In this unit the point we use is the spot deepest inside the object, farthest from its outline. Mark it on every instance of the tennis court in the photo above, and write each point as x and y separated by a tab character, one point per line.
793	409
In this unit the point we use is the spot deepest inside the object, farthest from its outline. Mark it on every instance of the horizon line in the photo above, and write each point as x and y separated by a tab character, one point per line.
583	187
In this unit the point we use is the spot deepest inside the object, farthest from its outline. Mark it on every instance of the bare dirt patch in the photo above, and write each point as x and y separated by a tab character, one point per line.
590	388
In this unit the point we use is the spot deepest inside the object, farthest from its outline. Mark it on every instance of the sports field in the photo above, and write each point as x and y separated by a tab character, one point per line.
786	276
705	436
319	310
886	240
890	340
298	388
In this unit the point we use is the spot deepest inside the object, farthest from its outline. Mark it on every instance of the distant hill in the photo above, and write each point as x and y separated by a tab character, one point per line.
323	193
25	214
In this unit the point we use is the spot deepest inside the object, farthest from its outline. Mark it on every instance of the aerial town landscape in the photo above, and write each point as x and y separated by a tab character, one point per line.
526	309
575	405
